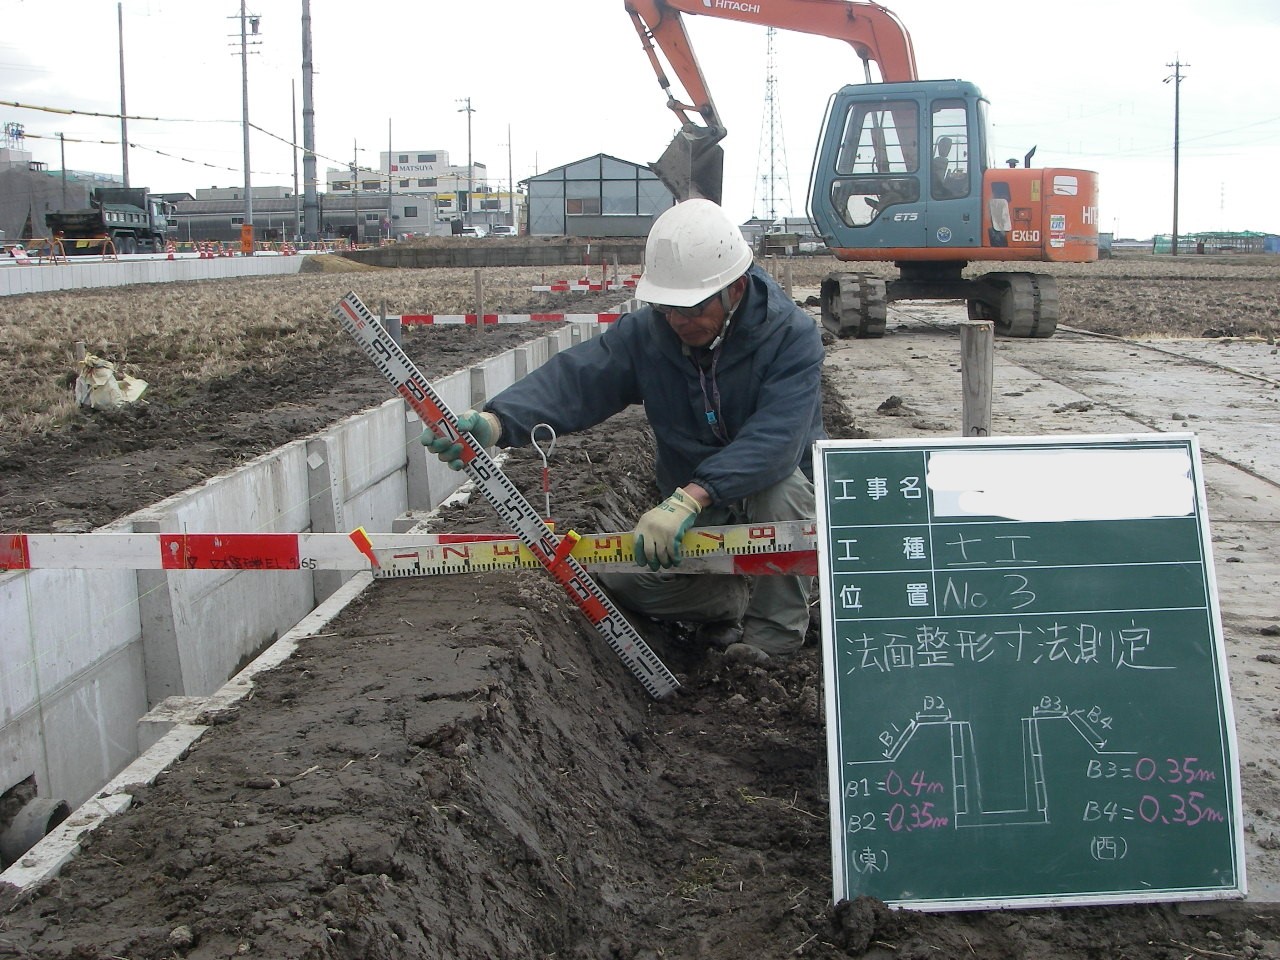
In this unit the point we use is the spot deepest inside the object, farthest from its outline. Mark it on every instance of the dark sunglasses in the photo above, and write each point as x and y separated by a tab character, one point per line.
697	310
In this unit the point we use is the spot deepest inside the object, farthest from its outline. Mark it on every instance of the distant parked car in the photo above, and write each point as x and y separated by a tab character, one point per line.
502	230
472	230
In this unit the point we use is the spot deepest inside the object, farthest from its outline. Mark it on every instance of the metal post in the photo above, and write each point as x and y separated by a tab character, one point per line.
311	229
244	96
297	200
1177	79
391	218
124	121
62	147
468	110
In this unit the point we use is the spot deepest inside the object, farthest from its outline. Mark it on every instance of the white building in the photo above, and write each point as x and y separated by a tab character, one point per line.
427	194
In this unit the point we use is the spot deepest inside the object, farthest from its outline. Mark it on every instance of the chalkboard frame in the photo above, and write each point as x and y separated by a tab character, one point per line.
856	867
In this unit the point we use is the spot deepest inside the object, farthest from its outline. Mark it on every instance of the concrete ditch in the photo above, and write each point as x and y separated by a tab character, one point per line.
107	689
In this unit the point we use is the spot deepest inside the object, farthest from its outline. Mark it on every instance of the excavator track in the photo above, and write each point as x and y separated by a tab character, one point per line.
854	305
1020	304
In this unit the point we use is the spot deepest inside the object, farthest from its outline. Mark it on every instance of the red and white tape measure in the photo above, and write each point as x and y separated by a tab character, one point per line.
489	319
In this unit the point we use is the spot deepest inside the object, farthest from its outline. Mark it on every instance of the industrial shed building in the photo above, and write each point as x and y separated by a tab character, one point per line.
600	196
1213	242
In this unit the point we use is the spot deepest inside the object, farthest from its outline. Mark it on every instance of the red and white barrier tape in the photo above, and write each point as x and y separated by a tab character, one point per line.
413	319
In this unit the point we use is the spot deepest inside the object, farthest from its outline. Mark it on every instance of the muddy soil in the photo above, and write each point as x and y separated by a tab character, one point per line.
105	464
460	768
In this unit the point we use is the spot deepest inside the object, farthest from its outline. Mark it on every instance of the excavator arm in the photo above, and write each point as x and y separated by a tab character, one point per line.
692	165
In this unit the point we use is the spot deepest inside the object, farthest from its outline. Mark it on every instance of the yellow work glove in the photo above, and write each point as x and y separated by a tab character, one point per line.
485	427
657	535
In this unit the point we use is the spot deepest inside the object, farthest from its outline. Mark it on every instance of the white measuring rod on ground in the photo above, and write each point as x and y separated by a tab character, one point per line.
551	551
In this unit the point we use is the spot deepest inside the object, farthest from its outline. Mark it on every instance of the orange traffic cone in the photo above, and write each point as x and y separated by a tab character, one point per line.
170	248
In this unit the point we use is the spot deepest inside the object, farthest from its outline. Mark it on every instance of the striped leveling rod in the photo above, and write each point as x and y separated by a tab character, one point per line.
550	551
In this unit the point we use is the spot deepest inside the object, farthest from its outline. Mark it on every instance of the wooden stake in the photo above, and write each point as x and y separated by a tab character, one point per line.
977	361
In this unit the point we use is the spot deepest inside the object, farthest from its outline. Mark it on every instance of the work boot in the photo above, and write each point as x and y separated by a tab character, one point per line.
720	634
745	653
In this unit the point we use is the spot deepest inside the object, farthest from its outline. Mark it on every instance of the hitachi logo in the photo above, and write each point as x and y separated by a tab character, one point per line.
733	5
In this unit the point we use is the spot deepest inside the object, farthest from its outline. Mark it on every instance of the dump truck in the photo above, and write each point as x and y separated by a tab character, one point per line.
132	218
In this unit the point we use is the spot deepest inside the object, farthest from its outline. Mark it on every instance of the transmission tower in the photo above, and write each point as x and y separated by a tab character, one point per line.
773	186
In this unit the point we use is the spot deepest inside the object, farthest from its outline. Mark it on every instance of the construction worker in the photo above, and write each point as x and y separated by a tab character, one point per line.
728	370
948	177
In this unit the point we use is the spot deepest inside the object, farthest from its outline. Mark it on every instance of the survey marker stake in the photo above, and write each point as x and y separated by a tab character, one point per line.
503	496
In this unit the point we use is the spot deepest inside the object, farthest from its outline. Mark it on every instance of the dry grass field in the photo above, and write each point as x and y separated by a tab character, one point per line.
179	335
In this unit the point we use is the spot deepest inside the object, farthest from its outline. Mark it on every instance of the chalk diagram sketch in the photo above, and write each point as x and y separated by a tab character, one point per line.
966	792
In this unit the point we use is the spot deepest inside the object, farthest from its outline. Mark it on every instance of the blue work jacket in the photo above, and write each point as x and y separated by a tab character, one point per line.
767	374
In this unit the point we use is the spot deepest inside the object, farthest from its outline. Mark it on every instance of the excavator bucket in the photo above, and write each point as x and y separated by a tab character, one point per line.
692	166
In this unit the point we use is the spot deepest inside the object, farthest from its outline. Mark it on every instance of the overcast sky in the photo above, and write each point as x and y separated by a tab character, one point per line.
1082	83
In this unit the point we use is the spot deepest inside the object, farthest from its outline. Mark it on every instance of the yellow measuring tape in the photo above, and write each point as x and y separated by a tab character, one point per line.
783	547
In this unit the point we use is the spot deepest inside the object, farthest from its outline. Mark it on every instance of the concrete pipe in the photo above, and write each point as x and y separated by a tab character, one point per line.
31	823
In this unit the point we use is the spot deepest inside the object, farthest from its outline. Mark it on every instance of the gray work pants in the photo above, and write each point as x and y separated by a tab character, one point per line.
774	610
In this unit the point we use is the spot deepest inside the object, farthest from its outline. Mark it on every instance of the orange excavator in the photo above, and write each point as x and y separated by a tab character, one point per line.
902	172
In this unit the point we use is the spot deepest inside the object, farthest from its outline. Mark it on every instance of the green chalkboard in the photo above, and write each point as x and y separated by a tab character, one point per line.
1027	700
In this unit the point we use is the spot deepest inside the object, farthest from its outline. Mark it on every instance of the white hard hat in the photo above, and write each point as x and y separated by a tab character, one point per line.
693	250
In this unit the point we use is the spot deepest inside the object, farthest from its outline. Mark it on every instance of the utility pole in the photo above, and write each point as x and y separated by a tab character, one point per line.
511	185
1176	79
468	110
297	200
391	220
311	211
124	123
246	230
355	194
62	148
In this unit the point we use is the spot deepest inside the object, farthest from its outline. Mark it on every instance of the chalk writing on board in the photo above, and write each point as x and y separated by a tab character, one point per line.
1027	698
1071	643
887	795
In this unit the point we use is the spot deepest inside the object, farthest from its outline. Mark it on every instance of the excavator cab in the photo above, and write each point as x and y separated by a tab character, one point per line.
902	173
900	166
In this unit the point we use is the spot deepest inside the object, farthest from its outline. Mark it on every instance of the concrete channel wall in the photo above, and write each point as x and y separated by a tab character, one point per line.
97	663
83	272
